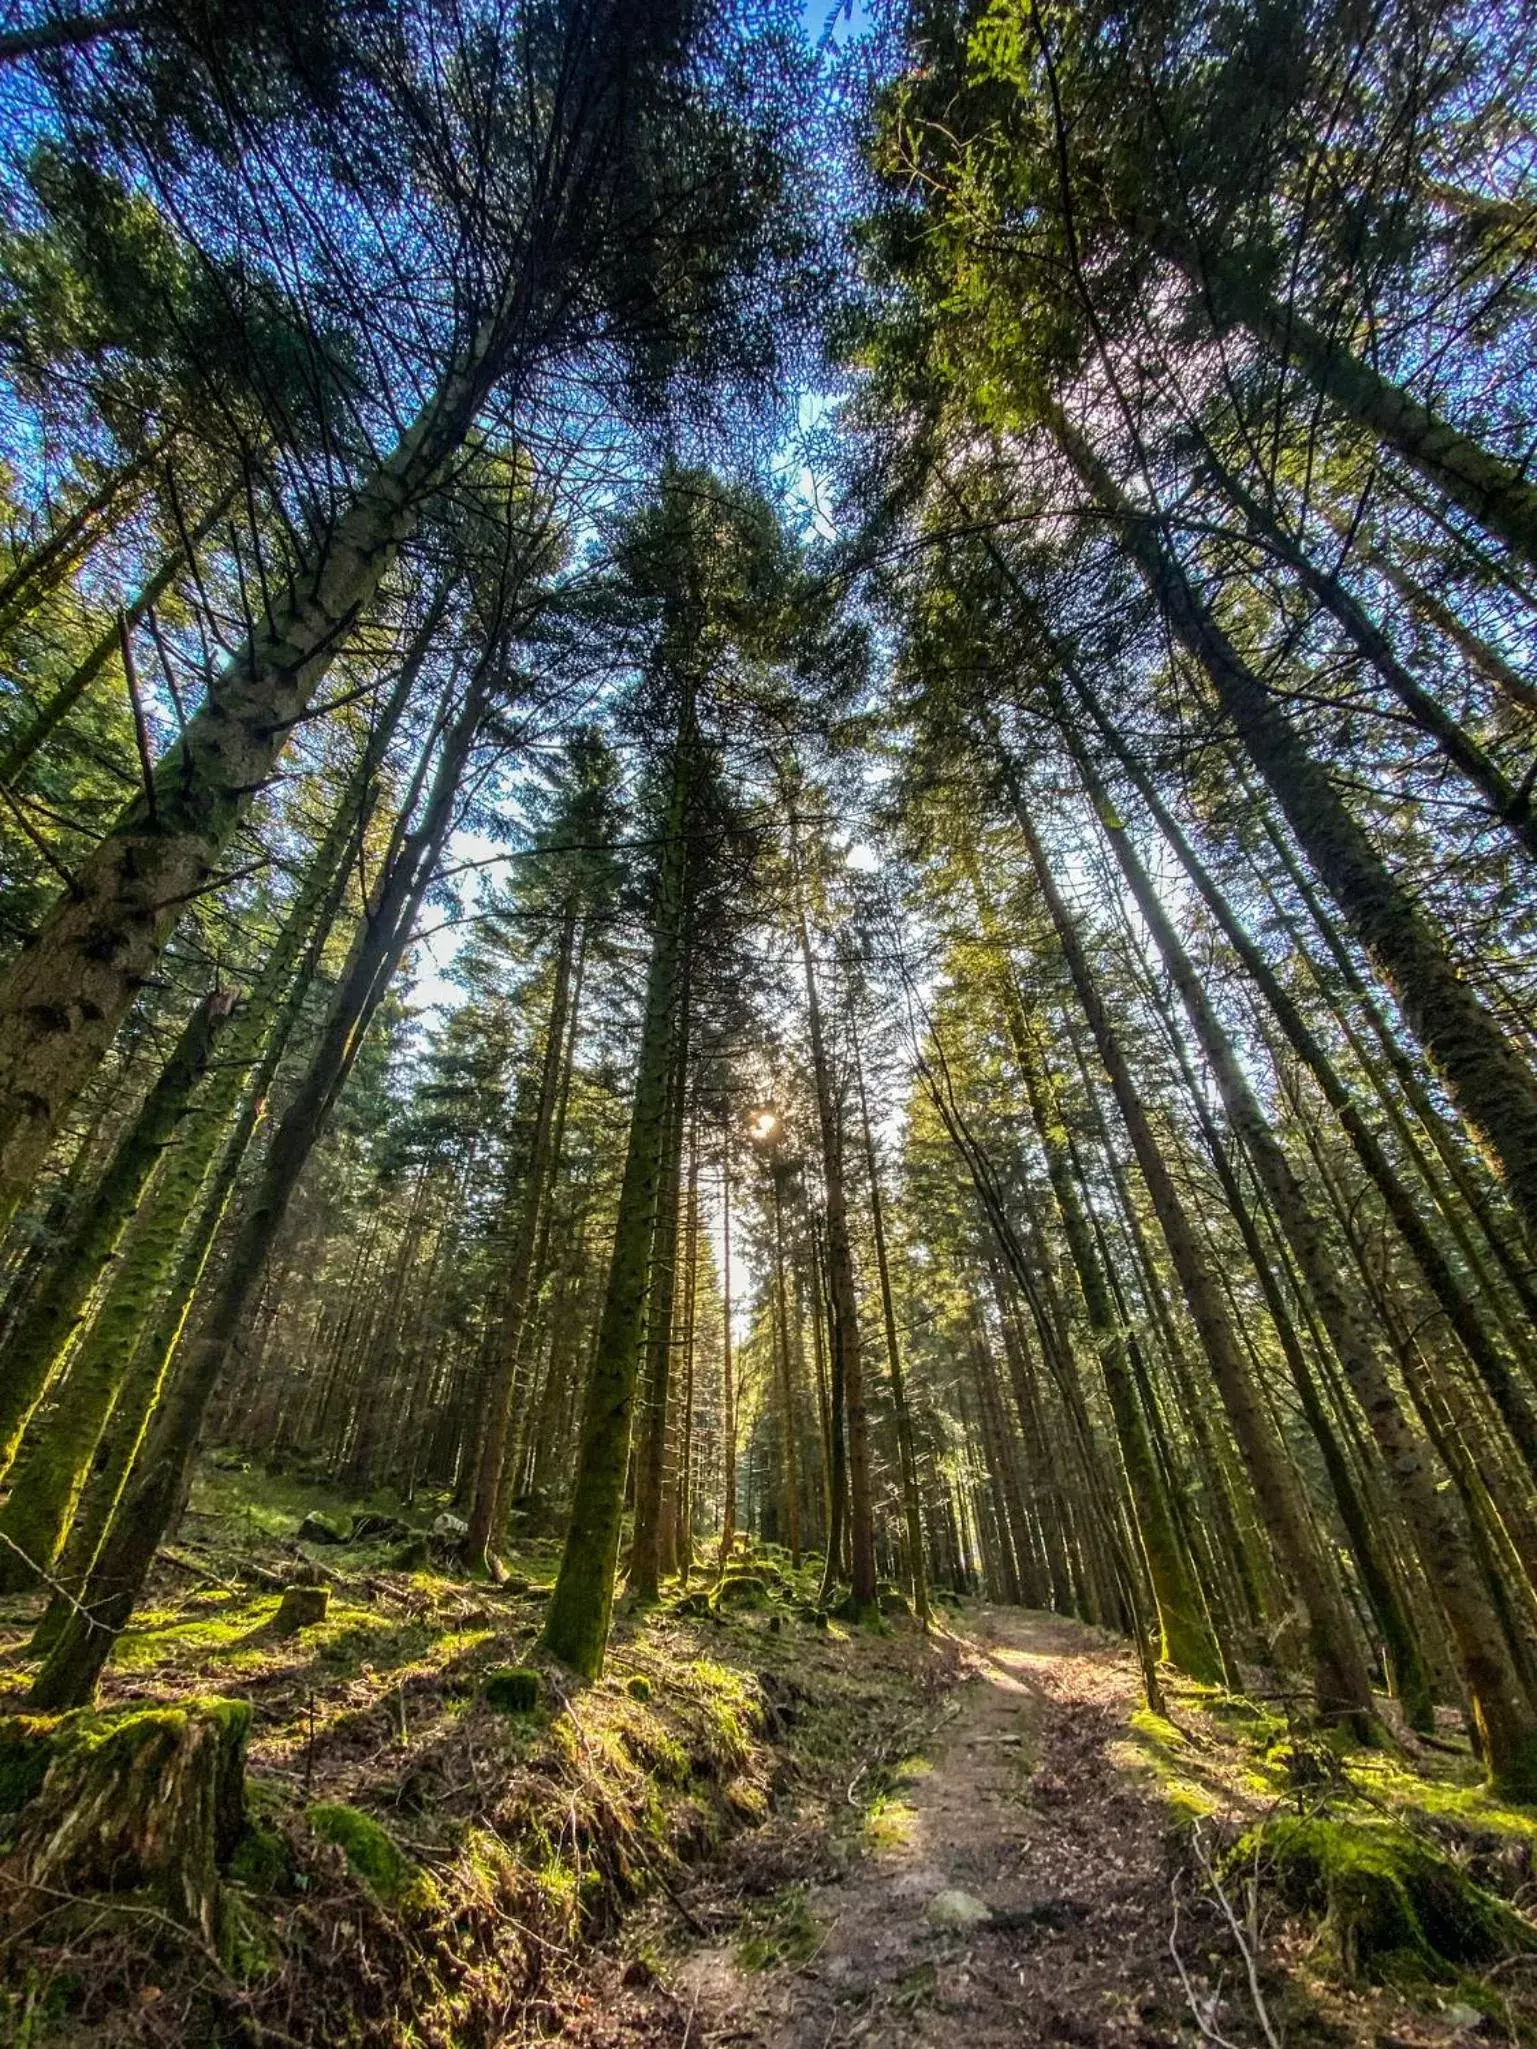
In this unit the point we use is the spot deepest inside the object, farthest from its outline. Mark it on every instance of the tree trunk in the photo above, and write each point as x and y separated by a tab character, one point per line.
37	1345
1494	1087
153	1805
837	1445
576	1626
485	1534
1489	663
1186	1637
912	1508
63	999
728	1391
790	1454
840	1274
1489	489
1512	807
151	1497
1506	1719
1340	1678
1461	1311
44	723
651	1458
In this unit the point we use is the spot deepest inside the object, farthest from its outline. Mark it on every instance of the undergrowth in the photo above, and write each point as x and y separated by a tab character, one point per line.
1387	1878
438	1820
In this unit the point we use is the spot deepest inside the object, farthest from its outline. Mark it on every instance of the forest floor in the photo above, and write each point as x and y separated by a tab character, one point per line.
761	1830
1048	1799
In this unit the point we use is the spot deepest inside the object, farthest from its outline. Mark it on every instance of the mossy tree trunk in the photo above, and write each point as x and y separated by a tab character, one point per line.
153	1803
646	1549
54	1460
727	1387
63	999
35	1348
679	1555
152	1496
576	1625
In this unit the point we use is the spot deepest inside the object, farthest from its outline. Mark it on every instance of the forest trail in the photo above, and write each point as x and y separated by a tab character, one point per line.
1023	1807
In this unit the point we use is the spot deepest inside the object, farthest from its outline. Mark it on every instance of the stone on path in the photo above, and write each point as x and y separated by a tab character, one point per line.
955	1909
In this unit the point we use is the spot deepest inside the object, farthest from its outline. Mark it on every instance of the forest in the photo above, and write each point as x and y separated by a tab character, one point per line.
768	1022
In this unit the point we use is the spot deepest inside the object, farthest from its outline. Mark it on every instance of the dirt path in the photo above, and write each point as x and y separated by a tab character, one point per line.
1025	1810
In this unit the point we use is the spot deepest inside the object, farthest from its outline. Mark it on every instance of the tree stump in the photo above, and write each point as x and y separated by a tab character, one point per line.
147	1801
300	1608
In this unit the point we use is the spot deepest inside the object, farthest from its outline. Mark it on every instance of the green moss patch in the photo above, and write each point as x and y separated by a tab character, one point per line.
372	1854
262	1861
743	1590
1392	1908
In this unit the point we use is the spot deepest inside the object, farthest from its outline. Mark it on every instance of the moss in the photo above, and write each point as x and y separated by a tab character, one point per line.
638	1686
129	1729
746	1799
864	1614
513	1689
1161	1751
28	1744
889	1822
783	1931
1156	1730
742	1590
263	1861
1301	1762
372	1854
1392	1908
